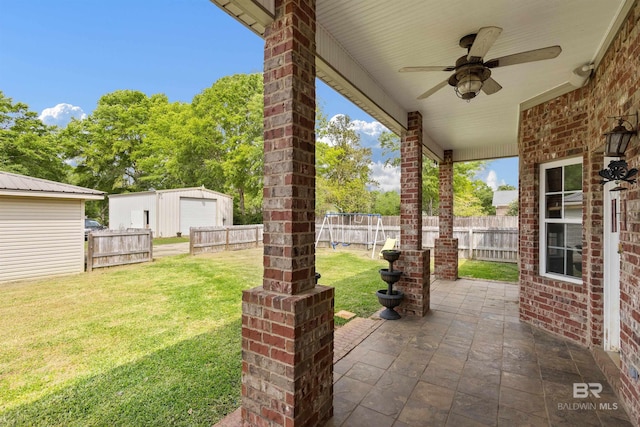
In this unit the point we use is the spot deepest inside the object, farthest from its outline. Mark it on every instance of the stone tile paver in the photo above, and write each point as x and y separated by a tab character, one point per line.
469	362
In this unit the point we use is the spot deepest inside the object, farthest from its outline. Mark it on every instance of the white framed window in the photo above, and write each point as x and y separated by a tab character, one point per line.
561	220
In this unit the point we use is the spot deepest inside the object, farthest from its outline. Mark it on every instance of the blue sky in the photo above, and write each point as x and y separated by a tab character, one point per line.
74	51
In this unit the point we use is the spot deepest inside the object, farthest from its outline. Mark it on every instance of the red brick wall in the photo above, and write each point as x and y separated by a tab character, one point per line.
445	246
287	324
568	126
414	262
287	358
289	148
411	184
445	207
551	131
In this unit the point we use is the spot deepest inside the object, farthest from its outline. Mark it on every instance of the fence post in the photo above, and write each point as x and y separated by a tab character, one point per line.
226	245
89	252
257	229
150	245
471	242
192	235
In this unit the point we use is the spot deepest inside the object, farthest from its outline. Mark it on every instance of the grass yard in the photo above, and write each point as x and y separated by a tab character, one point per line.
502	271
169	240
147	344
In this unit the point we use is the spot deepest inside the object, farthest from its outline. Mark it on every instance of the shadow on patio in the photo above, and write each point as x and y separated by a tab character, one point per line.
469	362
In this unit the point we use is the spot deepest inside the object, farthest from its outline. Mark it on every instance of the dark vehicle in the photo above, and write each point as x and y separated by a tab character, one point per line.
91	225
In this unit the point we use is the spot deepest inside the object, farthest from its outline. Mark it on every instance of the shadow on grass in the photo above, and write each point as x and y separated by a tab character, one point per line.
193	383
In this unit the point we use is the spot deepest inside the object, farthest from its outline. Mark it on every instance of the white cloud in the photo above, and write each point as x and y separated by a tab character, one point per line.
61	114
370	128
492	180
388	177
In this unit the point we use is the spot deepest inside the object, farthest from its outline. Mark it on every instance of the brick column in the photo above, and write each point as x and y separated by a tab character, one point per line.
287	323
414	261
446	247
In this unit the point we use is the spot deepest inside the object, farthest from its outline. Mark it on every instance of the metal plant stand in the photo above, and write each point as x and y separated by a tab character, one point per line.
388	297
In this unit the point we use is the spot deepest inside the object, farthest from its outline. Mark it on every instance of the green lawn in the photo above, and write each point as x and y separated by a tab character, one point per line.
169	240
502	271
146	344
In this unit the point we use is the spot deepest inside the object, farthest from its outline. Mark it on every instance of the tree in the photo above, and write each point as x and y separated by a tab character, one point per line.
387	203
227	125
471	196
109	144
513	209
342	167
484	193
506	187
390	144
28	146
166	134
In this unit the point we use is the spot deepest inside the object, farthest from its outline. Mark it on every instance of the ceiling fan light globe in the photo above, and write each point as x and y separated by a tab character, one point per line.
468	86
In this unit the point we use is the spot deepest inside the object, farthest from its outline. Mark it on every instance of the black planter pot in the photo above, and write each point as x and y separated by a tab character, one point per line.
390	255
388	297
390	301
390	277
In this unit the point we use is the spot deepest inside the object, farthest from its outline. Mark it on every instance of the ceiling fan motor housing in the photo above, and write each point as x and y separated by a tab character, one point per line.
468	77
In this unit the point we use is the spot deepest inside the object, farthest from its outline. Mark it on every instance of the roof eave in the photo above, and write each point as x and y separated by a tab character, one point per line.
50	195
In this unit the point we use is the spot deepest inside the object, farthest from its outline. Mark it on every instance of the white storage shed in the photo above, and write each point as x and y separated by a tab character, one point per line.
169	212
41	227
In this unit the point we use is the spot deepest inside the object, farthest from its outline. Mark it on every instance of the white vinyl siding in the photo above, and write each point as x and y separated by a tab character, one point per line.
40	237
196	213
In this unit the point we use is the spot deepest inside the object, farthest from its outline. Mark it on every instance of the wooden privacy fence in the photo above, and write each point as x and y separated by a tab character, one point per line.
217	239
484	238
109	248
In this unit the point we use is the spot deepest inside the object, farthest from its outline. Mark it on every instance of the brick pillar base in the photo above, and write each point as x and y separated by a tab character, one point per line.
287	346
415	282
446	258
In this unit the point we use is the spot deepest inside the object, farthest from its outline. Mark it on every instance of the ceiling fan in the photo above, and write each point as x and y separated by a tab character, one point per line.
472	73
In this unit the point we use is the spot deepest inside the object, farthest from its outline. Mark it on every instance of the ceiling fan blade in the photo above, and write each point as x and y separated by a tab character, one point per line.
485	38
522	57
490	86
433	89
427	68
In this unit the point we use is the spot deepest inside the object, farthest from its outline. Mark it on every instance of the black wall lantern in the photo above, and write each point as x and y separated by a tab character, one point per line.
616	143
618	138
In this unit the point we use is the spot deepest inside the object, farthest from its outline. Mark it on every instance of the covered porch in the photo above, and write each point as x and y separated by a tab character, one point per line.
574	63
469	362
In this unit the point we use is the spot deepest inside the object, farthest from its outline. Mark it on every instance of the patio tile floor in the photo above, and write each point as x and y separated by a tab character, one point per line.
469	362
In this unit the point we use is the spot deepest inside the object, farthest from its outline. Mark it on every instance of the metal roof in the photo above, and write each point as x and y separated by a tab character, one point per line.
504	197
362	44
172	190
12	184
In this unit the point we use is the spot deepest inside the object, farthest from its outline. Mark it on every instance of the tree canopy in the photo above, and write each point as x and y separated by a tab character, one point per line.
28	146
136	142
472	196
343	170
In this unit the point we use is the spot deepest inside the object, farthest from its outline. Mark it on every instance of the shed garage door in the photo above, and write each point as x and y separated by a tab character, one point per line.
196	213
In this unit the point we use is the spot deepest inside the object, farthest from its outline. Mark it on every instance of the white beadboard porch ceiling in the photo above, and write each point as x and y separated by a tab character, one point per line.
361	45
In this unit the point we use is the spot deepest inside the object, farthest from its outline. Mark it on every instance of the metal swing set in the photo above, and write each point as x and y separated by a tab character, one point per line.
341	227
